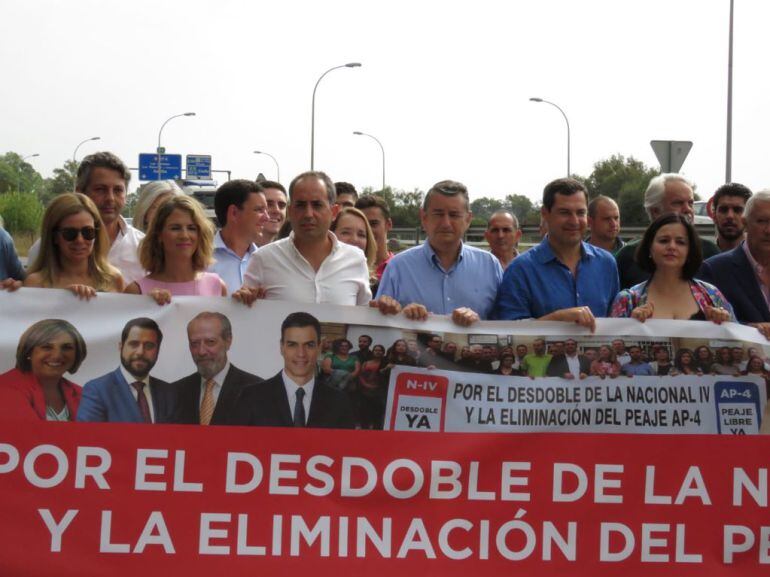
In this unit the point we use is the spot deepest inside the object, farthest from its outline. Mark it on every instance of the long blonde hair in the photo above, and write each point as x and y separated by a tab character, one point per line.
48	262
151	253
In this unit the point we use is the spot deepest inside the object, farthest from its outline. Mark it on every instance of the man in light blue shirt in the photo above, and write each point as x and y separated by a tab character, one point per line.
10	265
562	278
443	275
241	208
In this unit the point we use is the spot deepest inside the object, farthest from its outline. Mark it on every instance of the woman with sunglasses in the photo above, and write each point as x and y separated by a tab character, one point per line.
176	251
73	249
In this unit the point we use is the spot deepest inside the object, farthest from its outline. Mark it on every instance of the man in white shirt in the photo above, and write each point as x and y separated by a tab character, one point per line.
311	265
104	178
241	209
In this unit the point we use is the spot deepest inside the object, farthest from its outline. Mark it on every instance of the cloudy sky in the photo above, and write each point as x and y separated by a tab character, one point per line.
444	85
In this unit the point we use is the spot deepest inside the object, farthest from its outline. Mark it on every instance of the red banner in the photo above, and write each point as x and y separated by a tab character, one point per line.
87	499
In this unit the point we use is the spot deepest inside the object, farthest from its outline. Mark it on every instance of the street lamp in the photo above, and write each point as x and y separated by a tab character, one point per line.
312	114
18	172
277	168
565	120
160	133
382	148
729	139
75	154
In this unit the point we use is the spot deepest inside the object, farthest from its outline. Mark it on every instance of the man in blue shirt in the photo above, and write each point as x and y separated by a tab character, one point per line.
241	209
443	275
637	366
10	265
562	278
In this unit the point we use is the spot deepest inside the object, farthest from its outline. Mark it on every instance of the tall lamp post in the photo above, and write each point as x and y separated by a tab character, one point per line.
160	133
277	168
75	159
382	148
312	114
18	172
729	139
565	120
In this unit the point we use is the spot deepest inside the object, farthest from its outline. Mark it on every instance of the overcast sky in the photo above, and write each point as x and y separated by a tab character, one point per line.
444	85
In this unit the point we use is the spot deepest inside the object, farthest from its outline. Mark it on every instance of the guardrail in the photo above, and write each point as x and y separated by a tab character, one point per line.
411	236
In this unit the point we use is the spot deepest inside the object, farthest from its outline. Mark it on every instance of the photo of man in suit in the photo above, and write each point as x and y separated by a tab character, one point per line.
207	396
129	394
295	397
569	364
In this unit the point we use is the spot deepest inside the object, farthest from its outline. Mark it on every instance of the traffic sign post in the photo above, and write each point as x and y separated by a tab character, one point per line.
170	166
671	153
199	166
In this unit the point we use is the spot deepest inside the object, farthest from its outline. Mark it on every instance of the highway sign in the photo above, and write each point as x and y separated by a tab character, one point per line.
671	153
170	166
199	166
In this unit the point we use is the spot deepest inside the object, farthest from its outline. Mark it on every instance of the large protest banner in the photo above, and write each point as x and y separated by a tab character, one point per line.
120	499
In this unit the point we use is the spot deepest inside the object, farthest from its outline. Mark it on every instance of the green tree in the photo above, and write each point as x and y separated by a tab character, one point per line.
522	207
63	180
18	175
482	208
625	180
22	212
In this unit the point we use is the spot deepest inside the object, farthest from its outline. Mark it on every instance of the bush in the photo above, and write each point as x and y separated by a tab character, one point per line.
22	212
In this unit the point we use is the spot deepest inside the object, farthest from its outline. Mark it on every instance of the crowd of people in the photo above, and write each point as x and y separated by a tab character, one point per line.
319	242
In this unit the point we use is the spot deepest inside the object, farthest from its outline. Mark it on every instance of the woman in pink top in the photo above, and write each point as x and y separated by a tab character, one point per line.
176	251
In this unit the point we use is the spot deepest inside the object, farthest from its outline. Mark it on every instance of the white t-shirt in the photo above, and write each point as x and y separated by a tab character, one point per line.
280	269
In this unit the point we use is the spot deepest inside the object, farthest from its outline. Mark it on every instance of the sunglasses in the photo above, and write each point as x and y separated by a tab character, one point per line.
70	233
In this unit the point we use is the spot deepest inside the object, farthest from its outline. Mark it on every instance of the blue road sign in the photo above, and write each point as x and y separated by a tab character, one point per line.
199	166
170	166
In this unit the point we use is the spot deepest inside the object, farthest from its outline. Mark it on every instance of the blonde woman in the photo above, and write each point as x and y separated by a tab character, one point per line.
73	249
176	252
151	196
351	227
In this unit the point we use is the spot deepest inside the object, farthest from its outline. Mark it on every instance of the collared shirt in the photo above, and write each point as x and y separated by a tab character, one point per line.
381	267
291	393
219	380
10	265
416	276
229	266
134	393
123	254
640	369
573	363
759	271
280	269
537	283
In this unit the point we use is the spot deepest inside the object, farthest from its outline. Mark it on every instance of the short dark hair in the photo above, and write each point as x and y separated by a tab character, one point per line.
694	251
100	160
593	206
142	323
42	332
265	184
331	191
564	186
373	201
371	340
345	188
300	320
730	189
447	188
233	192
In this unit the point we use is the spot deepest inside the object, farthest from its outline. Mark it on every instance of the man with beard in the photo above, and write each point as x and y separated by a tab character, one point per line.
208	395
728	203
129	394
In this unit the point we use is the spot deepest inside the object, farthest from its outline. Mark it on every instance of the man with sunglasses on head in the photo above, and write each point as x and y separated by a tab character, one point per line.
104	178
444	275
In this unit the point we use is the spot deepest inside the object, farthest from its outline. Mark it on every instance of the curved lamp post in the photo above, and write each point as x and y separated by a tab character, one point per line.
277	168
565	120
382	148
312	114
160	133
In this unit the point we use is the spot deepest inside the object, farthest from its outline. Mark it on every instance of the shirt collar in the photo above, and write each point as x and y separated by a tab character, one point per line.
430	254
329	234
131	378
219	244
219	378
292	386
545	254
